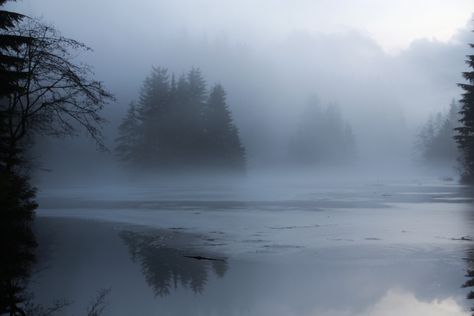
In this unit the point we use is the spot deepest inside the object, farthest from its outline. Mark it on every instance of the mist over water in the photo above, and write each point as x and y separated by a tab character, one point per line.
270	158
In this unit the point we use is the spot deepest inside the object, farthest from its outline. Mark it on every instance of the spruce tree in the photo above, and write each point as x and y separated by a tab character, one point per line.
223	145
178	126
129	135
179	123
10	64
194	131
9	43
152	110
465	133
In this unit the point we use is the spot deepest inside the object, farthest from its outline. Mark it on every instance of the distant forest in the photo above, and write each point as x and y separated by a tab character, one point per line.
436	144
177	125
322	137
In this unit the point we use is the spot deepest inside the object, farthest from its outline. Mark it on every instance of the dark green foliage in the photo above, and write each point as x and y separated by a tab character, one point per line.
41	91
435	140
322	137
17	242
17	205
465	133
10	63
10	44
178	125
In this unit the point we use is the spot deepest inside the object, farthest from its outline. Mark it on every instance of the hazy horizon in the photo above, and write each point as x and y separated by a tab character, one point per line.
388	67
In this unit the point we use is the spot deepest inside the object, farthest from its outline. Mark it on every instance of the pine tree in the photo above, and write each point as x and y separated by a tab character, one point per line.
223	146
10	64
50	95
176	125
153	107
197	87
465	133
9	43
129	135
194	131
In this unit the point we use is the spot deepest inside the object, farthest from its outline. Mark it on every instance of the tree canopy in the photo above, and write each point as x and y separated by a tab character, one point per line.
178	125
465	133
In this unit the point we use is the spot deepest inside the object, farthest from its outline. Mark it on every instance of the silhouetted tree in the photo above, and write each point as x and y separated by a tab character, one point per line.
152	108
188	113
128	135
10	73
41	91
56	97
465	133
223	146
18	251
179	126
17	242
9	44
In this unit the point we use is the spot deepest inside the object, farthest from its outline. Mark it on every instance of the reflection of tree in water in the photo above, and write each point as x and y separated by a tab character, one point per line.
470	257
18	252
17	242
470	274
166	268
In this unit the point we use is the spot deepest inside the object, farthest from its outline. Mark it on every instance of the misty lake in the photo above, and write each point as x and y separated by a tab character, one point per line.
392	248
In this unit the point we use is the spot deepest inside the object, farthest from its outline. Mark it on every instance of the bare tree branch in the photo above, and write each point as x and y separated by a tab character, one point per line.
57	96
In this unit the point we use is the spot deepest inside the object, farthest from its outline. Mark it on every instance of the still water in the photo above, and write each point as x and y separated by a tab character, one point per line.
393	249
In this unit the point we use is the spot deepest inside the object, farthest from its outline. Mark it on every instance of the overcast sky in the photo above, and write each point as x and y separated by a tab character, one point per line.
392	24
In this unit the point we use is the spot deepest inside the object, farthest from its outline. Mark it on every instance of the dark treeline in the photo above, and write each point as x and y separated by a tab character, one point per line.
435	143
17	241
323	137
41	92
465	132
17	244
178	125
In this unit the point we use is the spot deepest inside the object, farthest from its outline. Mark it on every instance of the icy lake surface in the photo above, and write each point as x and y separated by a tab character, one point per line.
372	248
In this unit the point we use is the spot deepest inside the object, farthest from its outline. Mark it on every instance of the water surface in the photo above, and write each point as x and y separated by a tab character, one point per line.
371	249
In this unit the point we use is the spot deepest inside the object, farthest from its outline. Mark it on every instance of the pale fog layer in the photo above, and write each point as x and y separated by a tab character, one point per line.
352	242
271	58
213	248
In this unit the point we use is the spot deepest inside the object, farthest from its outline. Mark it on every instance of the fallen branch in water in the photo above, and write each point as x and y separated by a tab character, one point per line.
204	258
464	238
